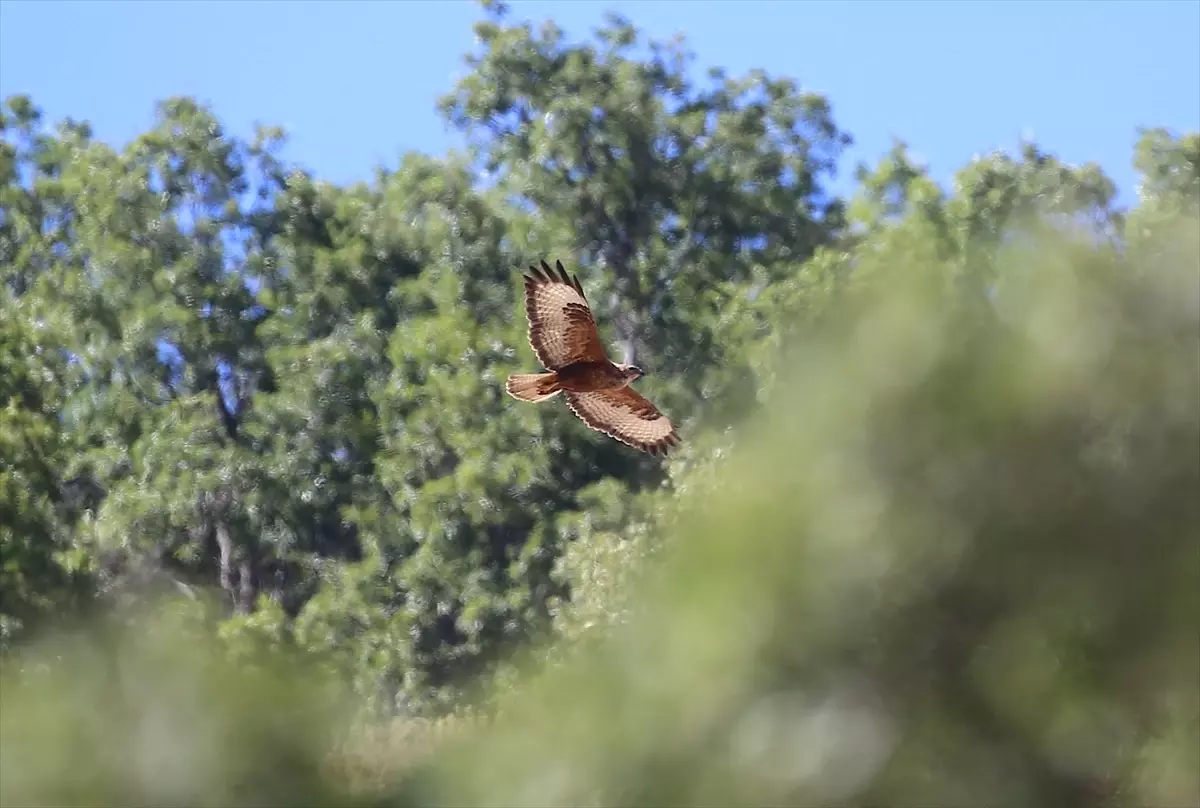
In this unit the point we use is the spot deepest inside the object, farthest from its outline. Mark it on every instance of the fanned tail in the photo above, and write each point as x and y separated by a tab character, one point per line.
533	386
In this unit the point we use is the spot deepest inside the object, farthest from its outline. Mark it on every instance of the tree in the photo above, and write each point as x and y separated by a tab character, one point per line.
41	574
458	530
1169	186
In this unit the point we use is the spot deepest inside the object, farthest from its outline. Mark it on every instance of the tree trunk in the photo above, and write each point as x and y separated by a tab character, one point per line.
247	587
225	546
237	571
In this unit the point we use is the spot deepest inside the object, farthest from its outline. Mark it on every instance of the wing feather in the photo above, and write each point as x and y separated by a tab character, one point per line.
562	329
626	415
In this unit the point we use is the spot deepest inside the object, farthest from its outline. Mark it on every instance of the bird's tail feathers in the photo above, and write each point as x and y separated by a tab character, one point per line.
533	386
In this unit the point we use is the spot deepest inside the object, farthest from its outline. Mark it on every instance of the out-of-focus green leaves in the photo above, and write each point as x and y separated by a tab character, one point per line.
149	710
956	563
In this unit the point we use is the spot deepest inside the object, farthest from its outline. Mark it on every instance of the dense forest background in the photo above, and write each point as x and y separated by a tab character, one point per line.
932	537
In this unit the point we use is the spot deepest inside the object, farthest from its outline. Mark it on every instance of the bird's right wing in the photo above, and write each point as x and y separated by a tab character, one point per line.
561	328
627	416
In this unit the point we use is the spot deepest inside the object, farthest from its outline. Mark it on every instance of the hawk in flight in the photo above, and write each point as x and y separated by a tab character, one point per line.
564	337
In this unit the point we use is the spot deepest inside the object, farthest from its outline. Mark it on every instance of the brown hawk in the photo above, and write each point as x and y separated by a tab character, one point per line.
564	337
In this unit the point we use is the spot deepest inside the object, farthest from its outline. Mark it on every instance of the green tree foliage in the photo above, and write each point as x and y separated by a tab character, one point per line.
965	572
934	505
40	570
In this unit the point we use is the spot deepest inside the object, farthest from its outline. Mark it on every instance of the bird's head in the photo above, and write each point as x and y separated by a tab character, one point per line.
632	372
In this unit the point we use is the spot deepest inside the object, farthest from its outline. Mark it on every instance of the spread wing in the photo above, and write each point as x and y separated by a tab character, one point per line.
627	416
561	328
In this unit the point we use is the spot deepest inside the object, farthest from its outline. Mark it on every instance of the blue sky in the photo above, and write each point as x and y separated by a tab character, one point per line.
355	82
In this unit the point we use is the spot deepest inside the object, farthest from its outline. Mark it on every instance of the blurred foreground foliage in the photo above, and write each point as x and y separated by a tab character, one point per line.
952	559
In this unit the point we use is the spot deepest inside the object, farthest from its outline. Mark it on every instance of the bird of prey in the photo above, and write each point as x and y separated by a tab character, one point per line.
564	337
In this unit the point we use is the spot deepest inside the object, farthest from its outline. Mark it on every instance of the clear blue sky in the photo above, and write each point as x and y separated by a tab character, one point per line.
355	82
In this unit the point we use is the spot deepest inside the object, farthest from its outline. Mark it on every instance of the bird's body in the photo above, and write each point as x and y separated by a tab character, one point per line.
585	377
564	337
